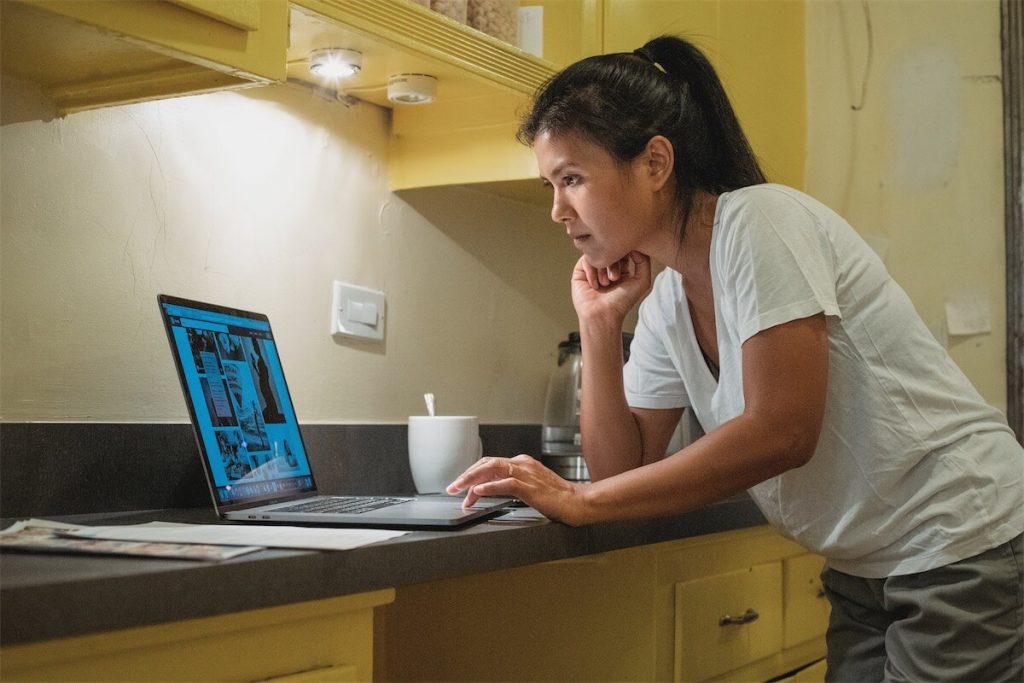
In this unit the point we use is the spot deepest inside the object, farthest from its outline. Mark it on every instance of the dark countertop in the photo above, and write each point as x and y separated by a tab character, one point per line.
44	596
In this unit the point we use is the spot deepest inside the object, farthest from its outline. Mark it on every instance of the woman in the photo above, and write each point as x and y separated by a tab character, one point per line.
819	388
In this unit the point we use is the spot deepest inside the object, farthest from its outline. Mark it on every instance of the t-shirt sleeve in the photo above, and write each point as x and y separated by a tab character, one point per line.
650	377
778	264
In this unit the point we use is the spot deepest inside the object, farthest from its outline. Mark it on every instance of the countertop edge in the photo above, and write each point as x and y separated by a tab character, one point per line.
88	595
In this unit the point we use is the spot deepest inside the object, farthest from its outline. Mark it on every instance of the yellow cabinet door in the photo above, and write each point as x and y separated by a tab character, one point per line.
330	639
814	673
340	673
726	621
584	619
85	54
757	47
805	607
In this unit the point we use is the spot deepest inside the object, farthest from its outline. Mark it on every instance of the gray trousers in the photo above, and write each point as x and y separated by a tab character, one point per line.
961	622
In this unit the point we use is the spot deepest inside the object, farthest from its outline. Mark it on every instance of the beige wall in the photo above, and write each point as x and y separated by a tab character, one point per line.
260	199
917	167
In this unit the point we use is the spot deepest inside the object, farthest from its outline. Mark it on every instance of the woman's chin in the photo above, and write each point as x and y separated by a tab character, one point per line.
601	261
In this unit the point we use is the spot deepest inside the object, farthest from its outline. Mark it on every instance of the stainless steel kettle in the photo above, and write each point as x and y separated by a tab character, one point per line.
560	435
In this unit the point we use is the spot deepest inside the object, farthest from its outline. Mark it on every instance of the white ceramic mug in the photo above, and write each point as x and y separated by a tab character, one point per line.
441	448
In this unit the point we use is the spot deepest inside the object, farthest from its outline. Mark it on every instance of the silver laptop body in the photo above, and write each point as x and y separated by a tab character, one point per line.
248	436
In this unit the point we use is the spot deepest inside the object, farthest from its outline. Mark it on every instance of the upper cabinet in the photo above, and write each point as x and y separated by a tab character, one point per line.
86	54
757	47
466	136
92	53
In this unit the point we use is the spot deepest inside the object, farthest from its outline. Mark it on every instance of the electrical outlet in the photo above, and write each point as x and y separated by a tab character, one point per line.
357	312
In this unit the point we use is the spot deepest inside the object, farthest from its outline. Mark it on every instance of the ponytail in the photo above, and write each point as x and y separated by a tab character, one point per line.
667	87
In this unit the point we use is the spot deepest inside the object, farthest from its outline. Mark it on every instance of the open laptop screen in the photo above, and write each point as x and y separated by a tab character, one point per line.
231	372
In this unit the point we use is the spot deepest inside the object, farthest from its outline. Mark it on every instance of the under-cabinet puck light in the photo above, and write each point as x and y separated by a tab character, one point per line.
412	88
335	62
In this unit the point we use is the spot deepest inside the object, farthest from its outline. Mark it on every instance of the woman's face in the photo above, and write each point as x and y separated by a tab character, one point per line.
598	199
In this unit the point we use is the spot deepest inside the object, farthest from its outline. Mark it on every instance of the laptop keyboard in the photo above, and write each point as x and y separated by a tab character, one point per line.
347	504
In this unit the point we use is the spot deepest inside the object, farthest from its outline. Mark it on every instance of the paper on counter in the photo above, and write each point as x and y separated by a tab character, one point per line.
302	538
40	535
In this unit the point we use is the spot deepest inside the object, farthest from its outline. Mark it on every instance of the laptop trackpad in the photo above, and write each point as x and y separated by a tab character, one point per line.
442	507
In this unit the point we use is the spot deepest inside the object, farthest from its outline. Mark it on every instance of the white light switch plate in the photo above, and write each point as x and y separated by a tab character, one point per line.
357	311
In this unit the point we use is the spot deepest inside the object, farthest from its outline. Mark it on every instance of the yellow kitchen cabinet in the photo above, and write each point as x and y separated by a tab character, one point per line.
709	590
467	134
640	614
86	54
584	619
812	673
325	640
806	607
757	47
727	621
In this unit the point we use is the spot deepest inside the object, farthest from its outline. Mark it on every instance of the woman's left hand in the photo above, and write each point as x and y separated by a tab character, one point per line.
524	478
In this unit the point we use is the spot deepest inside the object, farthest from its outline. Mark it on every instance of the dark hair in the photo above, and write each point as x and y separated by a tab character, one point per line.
620	101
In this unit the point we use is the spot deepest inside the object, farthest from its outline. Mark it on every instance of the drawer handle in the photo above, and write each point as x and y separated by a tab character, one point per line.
745	618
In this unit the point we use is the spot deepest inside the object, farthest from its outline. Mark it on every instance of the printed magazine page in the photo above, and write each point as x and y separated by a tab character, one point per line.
37	535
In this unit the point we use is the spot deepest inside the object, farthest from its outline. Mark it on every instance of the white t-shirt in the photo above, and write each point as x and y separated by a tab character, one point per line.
913	470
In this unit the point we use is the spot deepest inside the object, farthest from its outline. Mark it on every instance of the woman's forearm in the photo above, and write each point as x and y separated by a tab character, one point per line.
741	453
785	373
609	434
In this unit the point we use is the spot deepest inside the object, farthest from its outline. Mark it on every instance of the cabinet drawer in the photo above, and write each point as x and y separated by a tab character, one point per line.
323	640
339	673
707	644
812	673
805	606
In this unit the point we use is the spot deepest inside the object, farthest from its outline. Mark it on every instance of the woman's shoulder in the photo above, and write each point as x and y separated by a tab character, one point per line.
770	198
775	208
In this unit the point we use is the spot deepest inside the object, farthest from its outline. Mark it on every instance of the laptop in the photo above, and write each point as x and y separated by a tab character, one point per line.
248	436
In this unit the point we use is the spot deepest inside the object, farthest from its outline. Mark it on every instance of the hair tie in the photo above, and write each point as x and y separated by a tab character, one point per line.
643	54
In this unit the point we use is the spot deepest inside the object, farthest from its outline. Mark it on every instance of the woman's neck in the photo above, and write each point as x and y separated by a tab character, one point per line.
690	256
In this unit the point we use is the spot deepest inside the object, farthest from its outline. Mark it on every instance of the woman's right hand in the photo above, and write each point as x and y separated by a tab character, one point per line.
609	294
528	480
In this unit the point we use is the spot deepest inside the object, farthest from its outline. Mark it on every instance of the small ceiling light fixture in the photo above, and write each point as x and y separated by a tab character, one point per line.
412	89
335	62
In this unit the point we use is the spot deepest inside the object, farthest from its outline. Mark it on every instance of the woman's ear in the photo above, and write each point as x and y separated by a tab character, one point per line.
658	160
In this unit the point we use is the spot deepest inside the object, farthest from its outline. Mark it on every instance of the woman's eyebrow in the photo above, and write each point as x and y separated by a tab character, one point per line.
558	170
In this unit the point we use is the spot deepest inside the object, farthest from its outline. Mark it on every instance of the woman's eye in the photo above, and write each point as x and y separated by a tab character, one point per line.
570	180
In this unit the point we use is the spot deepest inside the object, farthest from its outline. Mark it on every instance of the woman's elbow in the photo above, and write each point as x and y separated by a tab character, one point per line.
798	445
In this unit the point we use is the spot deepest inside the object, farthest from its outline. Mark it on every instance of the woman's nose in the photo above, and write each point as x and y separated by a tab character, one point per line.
560	210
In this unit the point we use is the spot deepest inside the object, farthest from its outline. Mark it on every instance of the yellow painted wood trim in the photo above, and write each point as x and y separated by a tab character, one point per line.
592	18
720	553
784	661
458	159
183	34
341	673
243	14
33	654
412	27
756	534
186	79
441	145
